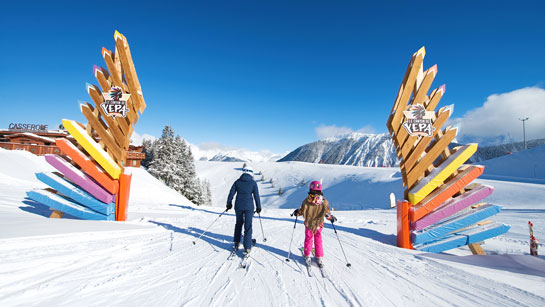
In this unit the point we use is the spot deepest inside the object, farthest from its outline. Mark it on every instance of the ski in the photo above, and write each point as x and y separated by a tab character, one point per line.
308	263
245	260
232	254
533	240
322	269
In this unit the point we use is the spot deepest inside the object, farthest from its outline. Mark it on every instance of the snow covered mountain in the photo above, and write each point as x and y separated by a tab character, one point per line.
356	149
227	154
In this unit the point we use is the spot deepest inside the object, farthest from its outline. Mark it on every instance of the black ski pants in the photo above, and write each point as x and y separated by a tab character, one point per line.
244	218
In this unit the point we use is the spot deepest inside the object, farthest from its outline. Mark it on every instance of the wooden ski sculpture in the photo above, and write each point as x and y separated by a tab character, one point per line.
434	217
93	184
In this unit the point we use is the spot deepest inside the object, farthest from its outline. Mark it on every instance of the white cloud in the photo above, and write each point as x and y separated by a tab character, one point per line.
137	139
500	113
324	131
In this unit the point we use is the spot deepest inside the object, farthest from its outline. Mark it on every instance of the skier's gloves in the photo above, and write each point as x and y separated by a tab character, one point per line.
331	217
229	206
295	212
258	210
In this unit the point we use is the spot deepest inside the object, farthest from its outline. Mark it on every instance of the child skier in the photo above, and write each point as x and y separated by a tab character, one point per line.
313	209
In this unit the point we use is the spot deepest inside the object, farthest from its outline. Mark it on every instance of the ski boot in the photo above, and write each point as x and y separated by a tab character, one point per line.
308	261
320	262
236	246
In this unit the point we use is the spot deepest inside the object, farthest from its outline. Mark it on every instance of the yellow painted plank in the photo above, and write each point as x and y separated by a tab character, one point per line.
92	148
441	173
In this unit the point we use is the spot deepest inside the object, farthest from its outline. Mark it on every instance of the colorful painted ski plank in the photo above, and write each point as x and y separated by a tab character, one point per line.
122	200
462	238
444	192
454	205
417	172
438	175
88	165
93	149
75	193
454	223
79	178
64	205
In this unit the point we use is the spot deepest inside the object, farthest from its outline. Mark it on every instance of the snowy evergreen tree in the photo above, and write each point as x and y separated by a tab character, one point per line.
280	191
162	165
148	151
171	161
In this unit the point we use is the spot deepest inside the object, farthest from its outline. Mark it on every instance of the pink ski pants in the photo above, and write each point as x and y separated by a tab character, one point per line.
318	246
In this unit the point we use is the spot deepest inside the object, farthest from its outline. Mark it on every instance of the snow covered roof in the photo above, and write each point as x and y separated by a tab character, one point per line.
32	135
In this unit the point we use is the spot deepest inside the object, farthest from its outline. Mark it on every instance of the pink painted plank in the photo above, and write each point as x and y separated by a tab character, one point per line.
453	205
79	178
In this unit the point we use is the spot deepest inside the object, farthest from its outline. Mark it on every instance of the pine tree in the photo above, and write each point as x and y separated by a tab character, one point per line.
162	165
280	191
171	161
148	151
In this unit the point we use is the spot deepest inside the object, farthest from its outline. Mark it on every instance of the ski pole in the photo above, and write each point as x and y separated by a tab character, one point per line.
264	239
347	263
292	232
210	225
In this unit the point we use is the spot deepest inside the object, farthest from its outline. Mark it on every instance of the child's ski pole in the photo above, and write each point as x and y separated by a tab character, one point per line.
292	232
347	263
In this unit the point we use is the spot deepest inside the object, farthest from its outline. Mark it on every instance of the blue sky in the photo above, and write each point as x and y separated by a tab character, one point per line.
268	74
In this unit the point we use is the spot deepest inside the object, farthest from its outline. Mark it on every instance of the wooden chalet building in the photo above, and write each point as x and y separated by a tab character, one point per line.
41	142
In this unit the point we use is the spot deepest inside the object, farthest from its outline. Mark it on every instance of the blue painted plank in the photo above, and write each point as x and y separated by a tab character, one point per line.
462	238
75	193
454	223
62	204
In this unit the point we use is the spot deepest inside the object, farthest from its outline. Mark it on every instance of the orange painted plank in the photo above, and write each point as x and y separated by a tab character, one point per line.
403	231
122	201
465	176
88	166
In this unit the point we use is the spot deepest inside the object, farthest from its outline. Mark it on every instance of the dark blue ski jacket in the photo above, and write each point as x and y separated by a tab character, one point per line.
244	187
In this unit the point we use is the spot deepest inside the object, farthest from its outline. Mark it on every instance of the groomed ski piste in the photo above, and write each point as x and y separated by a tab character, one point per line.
150	260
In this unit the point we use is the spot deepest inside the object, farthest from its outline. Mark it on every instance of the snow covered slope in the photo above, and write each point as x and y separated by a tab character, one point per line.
151	260
527	165
356	149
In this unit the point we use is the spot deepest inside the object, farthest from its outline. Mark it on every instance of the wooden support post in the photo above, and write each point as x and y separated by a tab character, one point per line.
56	214
476	249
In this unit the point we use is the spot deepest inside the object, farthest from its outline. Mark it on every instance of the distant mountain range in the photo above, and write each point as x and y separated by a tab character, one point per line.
376	150
357	149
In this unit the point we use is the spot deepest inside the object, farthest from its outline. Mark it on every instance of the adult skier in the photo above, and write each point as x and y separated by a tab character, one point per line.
245	187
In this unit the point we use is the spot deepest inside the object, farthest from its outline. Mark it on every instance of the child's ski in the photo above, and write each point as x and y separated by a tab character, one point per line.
322	268
533	240
308	263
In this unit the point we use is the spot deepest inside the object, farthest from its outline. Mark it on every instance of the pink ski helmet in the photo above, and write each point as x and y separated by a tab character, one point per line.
316	185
